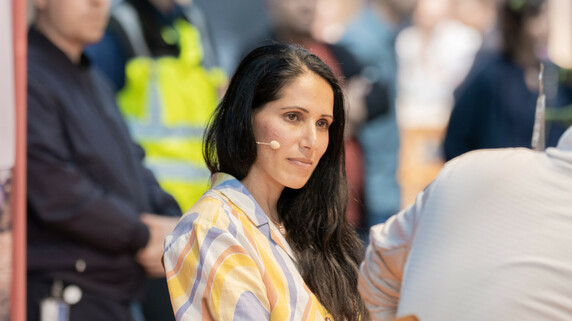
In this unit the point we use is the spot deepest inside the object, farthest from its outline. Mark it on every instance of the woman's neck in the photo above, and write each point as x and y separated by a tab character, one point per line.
265	192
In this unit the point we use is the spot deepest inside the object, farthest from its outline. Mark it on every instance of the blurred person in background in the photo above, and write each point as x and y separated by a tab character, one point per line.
489	239
92	234
434	55
270	240
162	61
495	106
370	36
163	64
480	15
291	22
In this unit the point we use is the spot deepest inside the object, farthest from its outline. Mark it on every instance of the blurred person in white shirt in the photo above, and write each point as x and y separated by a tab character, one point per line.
489	239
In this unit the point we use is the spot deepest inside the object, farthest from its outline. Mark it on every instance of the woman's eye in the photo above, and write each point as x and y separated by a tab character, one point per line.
323	124
292	116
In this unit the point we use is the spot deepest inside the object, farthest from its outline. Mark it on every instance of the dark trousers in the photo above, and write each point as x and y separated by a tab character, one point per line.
157	304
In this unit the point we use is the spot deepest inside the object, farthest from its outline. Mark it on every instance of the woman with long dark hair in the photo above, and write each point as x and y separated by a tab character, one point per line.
270	240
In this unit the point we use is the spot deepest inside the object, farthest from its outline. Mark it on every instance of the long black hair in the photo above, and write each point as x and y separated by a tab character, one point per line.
328	250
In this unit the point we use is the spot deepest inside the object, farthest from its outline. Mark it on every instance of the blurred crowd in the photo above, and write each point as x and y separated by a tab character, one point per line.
425	81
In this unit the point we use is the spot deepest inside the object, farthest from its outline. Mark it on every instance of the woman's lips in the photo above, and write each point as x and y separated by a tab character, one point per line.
303	162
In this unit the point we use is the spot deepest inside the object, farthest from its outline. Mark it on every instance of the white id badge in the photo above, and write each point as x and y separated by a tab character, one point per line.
52	309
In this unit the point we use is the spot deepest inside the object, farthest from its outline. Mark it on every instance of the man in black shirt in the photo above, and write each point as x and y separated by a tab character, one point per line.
91	232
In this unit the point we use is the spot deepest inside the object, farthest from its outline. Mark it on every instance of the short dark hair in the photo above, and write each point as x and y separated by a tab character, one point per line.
328	250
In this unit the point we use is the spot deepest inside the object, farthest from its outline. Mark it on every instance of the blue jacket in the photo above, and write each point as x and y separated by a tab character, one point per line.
86	181
495	109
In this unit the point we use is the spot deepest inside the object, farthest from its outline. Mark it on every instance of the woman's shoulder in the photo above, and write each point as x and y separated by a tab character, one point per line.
214	210
211	210
211	213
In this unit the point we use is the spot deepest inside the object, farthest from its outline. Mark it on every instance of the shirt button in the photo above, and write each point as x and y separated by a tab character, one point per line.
80	265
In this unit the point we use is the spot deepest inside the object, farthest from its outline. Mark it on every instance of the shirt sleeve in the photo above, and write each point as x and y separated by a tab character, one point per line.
209	273
382	270
62	196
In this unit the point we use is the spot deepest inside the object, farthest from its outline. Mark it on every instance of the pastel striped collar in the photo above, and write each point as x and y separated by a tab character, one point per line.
238	194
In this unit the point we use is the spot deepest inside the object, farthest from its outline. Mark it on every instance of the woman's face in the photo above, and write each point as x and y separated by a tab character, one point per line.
299	121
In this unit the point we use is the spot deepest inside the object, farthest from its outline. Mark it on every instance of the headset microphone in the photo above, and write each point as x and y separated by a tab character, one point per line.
273	144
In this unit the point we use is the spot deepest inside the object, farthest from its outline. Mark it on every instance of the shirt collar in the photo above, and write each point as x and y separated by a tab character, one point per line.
238	194
565	142
38	41
563	150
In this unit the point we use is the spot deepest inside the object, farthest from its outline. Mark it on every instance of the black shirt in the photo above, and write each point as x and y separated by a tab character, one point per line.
86	181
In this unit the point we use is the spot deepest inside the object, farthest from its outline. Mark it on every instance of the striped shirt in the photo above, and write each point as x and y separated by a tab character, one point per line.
226	261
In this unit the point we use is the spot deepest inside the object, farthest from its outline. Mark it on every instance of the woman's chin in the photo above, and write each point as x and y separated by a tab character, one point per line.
297	184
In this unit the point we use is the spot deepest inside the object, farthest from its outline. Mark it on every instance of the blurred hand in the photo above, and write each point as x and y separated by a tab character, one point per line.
150	256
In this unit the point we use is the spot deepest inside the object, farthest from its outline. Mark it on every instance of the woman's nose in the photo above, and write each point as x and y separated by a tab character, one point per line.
309	137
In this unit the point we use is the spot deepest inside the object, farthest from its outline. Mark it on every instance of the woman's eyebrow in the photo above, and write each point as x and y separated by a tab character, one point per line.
306	111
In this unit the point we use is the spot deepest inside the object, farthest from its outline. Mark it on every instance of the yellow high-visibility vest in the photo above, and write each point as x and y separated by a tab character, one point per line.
167	103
